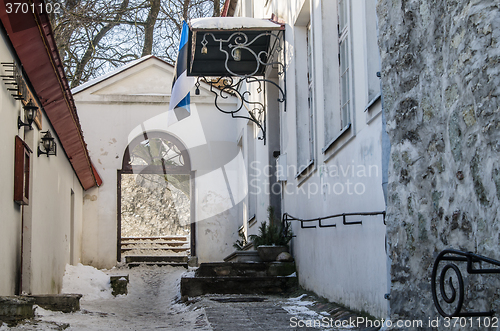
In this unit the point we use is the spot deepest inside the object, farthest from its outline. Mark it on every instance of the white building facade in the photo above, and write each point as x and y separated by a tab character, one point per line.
323	155
41	196
129	105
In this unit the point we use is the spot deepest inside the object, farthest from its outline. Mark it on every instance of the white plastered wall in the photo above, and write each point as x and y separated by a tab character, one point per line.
10	218
46	231
114	111
47	220
346	263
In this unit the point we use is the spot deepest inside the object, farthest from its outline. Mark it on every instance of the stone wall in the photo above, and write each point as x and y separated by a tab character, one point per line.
153	206
441	89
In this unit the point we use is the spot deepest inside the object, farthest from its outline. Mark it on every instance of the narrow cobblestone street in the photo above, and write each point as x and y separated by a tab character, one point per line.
153	303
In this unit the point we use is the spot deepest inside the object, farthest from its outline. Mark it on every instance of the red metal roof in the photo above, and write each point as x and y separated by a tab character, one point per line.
31	35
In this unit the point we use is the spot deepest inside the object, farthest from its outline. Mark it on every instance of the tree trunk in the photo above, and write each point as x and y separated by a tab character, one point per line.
217	8
185	9
93	44
150	27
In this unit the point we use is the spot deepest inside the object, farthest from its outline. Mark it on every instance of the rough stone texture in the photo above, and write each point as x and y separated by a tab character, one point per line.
153	206
233	313
67	303
270	253
14	309
243	256
119	284
240	278
284	257
245	269
195	286
193	261
441	89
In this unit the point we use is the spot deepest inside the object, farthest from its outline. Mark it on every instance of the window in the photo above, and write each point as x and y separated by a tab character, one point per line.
345	95
304	90
21	172
372	56
251	173
338	96
310	95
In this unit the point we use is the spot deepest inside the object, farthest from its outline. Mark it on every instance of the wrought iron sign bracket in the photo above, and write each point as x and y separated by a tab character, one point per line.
238	68
451	296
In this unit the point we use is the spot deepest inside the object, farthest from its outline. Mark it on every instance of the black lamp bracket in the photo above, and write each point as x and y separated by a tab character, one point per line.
237	84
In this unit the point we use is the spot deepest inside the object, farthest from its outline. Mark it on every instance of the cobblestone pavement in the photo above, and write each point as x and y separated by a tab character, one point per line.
294	312
153	303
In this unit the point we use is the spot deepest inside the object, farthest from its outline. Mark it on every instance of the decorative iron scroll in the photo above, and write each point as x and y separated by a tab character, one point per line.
450	298
239	41
232	84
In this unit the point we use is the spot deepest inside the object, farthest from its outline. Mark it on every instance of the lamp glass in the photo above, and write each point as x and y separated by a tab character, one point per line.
237	54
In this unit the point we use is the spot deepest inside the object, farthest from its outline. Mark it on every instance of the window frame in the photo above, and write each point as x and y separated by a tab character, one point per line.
310	89
22	172
344	40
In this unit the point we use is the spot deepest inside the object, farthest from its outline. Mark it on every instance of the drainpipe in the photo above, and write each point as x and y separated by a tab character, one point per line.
386	152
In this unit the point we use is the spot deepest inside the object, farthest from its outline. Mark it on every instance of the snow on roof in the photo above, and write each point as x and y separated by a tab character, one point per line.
233	23
99	79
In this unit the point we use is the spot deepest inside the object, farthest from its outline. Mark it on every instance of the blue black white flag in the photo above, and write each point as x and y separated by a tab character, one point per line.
180	99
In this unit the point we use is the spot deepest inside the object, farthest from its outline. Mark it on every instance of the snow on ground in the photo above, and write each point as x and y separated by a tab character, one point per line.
297	307
152	303
92	283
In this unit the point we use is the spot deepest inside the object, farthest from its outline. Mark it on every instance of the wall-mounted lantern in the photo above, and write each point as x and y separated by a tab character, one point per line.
31	111
47	144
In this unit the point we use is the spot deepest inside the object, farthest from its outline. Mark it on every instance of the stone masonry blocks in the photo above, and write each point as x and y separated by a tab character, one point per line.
441	89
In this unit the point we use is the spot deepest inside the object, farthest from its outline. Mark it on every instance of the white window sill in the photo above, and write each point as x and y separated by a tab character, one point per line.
252	221
331	142
375	99
304	170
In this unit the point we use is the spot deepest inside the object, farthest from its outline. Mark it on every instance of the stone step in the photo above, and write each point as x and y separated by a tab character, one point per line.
158	264
243	256
156	243
195	286
176	249
165	238
67	303
14	309
245	269
155	259
159	243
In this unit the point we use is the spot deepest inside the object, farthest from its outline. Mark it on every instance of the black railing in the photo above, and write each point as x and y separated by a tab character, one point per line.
287	217
458	256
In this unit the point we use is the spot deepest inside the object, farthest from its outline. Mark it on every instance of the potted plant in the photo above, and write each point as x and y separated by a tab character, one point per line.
243	252
273	238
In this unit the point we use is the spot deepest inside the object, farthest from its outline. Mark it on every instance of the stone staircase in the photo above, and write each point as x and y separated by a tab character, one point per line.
159	251
240	278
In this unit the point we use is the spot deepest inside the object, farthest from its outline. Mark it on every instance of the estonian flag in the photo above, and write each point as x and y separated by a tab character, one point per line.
180	100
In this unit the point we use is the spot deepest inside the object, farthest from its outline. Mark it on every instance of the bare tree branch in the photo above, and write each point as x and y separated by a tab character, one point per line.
96	36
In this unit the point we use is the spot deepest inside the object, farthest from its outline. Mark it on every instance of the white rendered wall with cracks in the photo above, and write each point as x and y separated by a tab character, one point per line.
119	107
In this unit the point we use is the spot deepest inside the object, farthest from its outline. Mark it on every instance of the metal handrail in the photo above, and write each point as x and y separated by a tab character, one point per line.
287	217
458	256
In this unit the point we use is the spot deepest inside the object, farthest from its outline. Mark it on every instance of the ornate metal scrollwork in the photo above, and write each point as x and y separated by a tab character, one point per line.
225	87
231	84
239	41
451	298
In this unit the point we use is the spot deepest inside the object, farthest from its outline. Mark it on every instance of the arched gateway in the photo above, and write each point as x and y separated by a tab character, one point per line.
154	194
